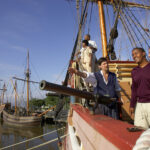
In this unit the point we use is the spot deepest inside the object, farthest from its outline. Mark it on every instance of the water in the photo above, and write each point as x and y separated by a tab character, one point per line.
10	134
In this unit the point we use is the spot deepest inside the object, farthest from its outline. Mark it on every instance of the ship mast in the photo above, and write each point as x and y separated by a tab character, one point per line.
102	28
102	19
27	77
15	88
3	91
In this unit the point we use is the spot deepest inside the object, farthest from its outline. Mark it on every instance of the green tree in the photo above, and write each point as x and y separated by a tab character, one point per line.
37	102
51	100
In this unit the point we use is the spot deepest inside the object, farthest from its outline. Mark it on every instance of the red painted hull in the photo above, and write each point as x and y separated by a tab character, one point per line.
101	132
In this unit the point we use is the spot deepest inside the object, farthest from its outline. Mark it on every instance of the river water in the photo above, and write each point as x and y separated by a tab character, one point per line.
10	134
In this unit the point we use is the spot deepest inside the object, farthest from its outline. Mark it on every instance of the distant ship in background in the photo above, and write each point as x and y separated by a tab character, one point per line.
24	116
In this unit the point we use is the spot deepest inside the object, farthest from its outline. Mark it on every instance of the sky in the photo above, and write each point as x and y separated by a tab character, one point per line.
44	27
47	28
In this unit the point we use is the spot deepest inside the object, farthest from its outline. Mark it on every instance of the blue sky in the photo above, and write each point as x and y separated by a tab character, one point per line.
48	29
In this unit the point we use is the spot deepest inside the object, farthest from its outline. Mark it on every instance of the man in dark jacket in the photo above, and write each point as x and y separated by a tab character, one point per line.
105	83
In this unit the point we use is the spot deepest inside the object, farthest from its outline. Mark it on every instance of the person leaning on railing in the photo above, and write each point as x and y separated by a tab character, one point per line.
105	83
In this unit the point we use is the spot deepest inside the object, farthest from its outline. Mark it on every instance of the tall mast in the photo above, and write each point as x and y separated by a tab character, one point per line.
4	89
102	28
15	88
28	76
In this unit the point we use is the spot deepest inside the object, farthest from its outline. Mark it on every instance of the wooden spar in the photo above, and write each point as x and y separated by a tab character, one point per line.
4	89
28	76
126	4
43	113
24	80
14	88
15	97
102	28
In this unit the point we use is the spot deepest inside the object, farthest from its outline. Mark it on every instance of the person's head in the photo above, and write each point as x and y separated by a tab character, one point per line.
85	43
87	37
138	55
103	64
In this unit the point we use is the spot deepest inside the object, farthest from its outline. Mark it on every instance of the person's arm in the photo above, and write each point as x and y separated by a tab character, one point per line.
78	59
88	77
117	89
133	97
79	73
77	53
118	95
91	57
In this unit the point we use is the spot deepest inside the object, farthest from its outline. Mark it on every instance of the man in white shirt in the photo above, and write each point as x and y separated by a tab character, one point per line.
105	83
86	57
92	45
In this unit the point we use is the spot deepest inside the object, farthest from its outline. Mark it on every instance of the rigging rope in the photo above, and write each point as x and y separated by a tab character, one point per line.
126	26
137	27
47	142
108	17
30	139
113	35
77	7
132	29
62	100
90	18
138	23
75	45
39	92
126	29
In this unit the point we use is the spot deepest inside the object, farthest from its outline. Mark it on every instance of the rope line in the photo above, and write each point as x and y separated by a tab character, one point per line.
127	27
137	29
29	139
47	142
132	29
127	31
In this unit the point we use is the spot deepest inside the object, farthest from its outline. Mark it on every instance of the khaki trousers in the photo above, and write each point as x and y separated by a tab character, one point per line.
142	115
87	68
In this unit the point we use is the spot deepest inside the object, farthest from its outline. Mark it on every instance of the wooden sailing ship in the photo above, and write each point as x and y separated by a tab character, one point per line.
2	105
13	117
95	132
99	131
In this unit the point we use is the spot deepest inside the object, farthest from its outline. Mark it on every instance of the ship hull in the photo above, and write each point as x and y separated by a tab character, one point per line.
1	110
95	132
23	120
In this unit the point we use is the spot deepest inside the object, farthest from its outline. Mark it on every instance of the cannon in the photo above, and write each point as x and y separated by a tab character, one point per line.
44	85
